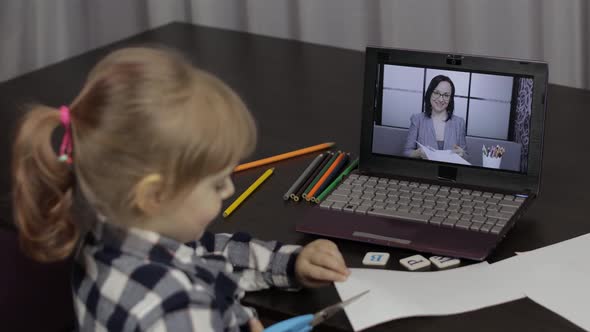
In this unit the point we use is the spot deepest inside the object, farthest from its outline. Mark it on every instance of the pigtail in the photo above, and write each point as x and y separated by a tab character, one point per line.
42	189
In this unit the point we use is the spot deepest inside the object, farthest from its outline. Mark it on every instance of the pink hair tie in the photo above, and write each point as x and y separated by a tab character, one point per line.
65	150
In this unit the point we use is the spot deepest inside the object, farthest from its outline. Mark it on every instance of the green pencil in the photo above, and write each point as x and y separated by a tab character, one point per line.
320	174
337	180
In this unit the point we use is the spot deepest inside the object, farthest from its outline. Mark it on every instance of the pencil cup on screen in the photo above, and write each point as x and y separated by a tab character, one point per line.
492	156
491	162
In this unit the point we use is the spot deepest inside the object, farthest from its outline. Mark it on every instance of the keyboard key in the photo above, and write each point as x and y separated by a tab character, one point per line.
485	228
379	198
455	216
415	204
430	192
499	215
509	203
398	214
429	212
496	230
405	195
479	199
417	210
367	196
491	221
449	223
326	204
475	227
454	202
501	222
478	212
362	209
519	199
338	206
349	208
355	195
355	201
508	209
463	224
392	207
453	208
341	192
336	198
492	201
478	219
404	208
379	205
465	217
466	211
468	204
436	220
440	213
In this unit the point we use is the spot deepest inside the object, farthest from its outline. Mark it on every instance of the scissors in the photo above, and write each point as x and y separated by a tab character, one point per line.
307	322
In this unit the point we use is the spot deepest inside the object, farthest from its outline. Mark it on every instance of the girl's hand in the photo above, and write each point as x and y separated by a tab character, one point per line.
255	325
320	263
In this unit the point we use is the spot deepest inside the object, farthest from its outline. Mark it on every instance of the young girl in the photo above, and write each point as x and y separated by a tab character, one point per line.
148	147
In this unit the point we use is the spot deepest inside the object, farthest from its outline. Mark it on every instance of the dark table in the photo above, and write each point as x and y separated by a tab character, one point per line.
301	94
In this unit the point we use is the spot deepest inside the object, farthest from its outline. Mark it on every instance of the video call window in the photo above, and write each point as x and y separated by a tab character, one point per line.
488	126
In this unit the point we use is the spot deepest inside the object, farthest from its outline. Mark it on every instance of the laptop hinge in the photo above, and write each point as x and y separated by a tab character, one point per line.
447	173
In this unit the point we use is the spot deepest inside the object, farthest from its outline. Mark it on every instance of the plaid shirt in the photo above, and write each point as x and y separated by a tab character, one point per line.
137	280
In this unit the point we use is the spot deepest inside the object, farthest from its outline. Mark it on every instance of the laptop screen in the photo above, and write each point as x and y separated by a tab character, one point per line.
466	117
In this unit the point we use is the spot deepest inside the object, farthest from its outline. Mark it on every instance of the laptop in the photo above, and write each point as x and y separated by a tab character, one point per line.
450	153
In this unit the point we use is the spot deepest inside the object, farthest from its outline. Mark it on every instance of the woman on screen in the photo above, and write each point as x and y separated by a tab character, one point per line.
437	127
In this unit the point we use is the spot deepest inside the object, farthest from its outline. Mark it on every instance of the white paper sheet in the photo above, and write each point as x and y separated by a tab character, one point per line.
556	277
443	155
398	294
559	279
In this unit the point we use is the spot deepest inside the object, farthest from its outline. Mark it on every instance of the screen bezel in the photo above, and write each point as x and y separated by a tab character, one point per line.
371	163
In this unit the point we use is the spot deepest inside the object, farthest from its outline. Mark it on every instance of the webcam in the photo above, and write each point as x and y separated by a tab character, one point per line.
453	59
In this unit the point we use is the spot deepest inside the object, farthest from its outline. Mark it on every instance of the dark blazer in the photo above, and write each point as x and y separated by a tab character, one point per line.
422	130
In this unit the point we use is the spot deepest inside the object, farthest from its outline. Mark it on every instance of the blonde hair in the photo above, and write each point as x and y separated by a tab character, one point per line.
141	111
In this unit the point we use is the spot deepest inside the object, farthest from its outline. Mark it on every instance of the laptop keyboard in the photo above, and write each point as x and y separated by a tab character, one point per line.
437	205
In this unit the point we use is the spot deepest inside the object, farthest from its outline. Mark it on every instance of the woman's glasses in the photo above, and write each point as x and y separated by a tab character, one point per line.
437	95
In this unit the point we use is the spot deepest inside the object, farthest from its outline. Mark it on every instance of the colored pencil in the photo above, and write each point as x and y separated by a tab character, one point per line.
283	156
319	175
247	192
314	163
337	181
300	191
321	181
333	174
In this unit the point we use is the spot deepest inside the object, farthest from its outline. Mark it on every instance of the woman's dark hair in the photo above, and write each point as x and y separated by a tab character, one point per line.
433	84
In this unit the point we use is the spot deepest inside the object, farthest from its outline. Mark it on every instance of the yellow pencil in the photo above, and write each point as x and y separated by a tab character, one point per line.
247	192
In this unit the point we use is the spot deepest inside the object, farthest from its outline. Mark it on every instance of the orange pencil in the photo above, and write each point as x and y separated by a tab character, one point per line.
283	156
325	176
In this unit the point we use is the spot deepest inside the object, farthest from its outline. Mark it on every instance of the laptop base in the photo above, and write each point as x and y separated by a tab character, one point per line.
398	233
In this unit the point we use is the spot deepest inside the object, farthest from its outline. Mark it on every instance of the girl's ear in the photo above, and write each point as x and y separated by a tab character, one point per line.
148	194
